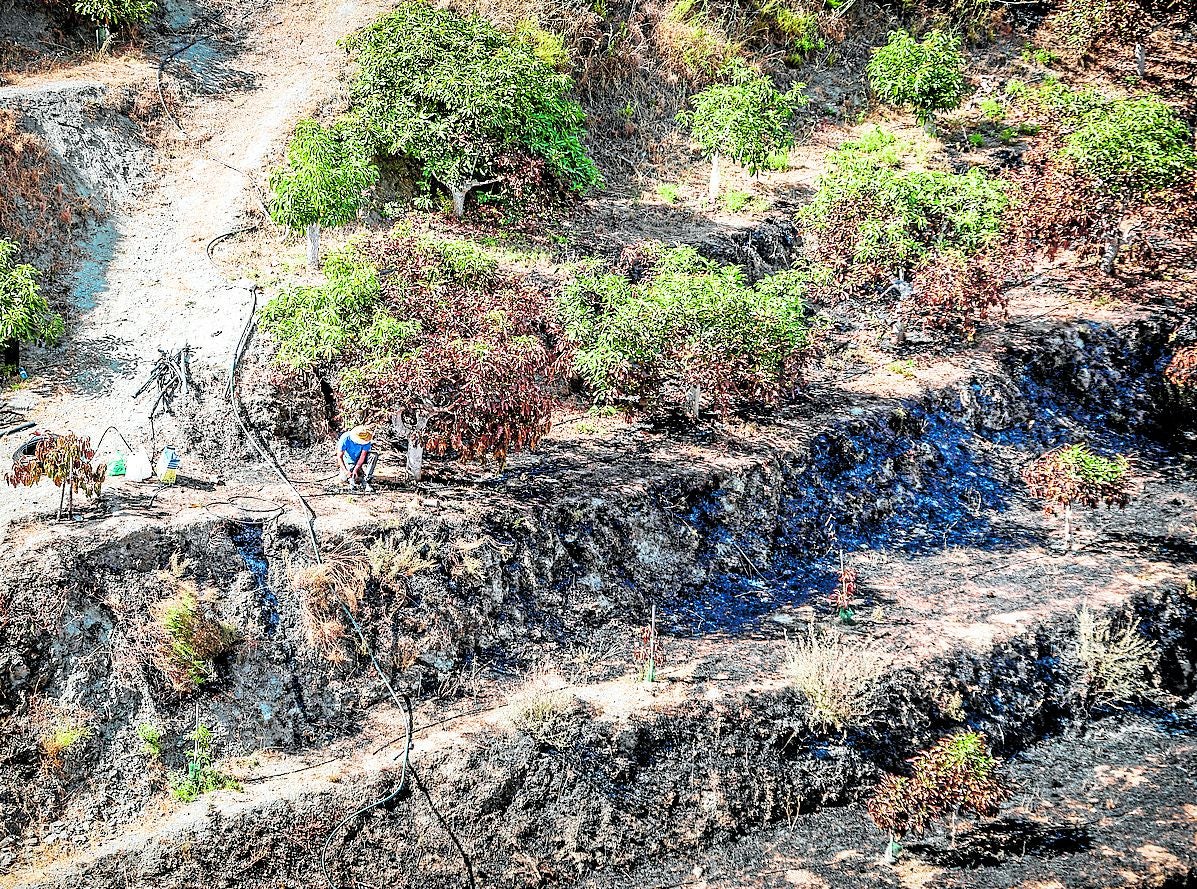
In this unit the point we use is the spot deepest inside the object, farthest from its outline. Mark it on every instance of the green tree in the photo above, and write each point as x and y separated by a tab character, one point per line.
25	316
321	184
928	76
691	327
745	119
458	97
111	14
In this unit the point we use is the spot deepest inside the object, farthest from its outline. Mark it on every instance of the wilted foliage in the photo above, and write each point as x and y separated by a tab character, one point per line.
956	776
1074	476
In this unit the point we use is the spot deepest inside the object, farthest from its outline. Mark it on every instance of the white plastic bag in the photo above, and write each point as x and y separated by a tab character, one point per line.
137	467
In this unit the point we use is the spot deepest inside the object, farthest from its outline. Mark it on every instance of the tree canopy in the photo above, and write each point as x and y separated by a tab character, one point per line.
323	180
927	75
25	315
453	93
746	118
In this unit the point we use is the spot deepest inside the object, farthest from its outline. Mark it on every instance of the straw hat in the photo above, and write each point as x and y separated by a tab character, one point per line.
361	435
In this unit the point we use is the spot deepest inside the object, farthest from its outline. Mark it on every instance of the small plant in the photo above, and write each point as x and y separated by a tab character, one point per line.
746	119
189	636
548	717
545	45
25	315
201	776
66	461
151	739
735	201
668	193
840	681
903	367
1075	476
1116	664
992	109
926	75
845	593
956	776
65	730
976	140
392	561
648	651
322	183
110	14
778	161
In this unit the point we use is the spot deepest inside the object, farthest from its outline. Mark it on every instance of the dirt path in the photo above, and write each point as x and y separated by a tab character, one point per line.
158	288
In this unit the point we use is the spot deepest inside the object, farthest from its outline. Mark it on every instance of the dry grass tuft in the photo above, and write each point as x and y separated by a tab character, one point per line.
546	716
1116	663
187	634
340	580
840	680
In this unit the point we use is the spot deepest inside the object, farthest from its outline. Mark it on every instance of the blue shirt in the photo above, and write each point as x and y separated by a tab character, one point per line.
351	449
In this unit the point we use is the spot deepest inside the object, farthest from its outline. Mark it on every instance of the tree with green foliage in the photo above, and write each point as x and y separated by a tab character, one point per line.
745	119
1075	476
458	97
25	315
111	14
315	324
691	328
322	183
926	75
1134	144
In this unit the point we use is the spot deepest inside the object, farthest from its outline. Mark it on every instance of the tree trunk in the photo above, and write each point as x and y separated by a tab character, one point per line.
313	233
713	191
461	191
12	354
1141	60
414	432
694	401
1110	256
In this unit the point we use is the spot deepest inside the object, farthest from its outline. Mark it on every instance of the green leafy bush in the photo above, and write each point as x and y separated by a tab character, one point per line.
745	119
454	94
1078	24
311	325
322	183
1132	143
868	210
25	315
690	326
201	776
926	75
116	13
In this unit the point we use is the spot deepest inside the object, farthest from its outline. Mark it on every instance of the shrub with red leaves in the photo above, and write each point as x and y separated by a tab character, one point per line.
471	348
1181	371
952	292
958	775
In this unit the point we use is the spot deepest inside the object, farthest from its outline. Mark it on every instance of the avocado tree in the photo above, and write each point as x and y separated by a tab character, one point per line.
321	184
111	14
746	119
25	316
691	328
1074	476
455	95
957	775
926	75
